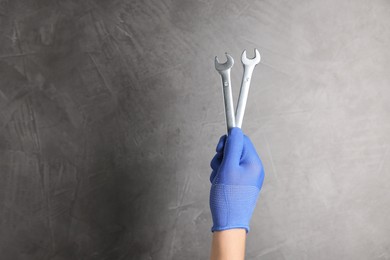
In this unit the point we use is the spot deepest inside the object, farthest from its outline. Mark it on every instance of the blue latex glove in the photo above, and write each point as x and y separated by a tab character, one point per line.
236	180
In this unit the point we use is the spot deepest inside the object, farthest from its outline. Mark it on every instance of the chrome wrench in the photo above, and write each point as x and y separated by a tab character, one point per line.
224	70
249	65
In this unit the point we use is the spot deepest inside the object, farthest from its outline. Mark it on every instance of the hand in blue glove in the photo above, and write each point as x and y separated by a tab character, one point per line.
236	181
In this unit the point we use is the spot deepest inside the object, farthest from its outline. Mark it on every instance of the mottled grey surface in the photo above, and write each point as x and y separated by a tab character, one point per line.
110	112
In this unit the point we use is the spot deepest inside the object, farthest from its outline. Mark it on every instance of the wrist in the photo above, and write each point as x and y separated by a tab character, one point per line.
228	244
232	206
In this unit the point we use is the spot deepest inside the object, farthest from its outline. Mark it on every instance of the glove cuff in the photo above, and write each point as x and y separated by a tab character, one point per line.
232	206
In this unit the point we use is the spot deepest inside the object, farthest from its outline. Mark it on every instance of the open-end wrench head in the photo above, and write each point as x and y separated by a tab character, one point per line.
254	61
224	66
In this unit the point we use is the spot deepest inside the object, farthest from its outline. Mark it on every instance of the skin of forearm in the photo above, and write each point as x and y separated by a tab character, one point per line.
228	245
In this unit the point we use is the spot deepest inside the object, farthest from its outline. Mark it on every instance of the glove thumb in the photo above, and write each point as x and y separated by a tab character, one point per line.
233	147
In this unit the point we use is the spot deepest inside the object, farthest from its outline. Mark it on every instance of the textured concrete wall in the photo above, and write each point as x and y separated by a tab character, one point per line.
110	112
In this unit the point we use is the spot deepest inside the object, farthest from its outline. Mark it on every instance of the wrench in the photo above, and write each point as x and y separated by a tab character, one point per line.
224	70
249	65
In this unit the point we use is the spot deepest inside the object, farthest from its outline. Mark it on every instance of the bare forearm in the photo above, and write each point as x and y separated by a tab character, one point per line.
228	245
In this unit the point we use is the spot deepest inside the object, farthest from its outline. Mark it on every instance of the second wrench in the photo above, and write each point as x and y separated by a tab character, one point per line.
249	65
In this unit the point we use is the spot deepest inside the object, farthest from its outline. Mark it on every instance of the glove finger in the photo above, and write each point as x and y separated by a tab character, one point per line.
233	147
221	144
212	176
249	154
216	161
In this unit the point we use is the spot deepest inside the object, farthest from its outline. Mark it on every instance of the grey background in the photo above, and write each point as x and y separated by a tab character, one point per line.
111	110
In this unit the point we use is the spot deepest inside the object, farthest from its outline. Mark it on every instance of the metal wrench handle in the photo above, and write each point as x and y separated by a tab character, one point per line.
243	97
249	66
224	70
228	99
